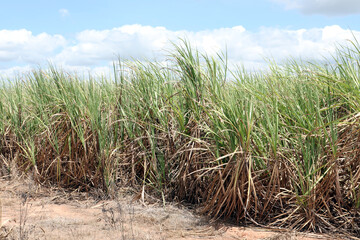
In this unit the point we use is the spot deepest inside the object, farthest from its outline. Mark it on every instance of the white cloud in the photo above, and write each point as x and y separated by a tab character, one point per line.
323	7
129	41
64	12
24	47
11	72
92	50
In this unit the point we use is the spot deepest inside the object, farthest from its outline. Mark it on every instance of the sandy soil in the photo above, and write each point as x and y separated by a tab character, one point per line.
31	212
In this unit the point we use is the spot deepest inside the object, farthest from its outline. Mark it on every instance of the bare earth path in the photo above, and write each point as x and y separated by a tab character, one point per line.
30	212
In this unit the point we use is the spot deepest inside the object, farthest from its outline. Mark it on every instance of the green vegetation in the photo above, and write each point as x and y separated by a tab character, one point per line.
279	148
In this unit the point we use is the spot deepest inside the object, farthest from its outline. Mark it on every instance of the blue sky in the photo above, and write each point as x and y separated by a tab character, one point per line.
89	34
193	15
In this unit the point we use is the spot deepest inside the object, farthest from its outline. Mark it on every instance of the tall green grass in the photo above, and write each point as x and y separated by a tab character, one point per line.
278	147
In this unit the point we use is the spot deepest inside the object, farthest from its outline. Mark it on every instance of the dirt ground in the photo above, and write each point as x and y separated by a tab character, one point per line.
33	212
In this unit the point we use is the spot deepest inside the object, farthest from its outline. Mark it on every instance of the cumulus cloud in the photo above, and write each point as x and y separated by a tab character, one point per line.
129	41
11	72
24	47
64	12
93	50
145	42
323	7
